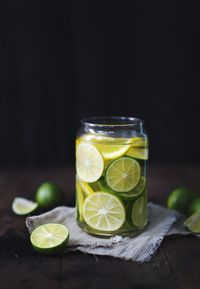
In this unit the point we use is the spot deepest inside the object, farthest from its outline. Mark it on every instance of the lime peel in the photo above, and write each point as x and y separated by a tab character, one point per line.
50	238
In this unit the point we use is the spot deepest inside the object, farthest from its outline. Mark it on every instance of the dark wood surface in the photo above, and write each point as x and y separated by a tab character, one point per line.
175	265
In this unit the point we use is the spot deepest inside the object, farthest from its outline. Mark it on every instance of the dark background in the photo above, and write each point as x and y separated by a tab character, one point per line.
64	60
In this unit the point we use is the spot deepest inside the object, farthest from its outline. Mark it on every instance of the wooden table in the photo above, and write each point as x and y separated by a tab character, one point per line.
176	264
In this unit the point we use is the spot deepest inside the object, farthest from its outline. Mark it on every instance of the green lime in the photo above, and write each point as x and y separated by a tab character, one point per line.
22	206
193	223
49	195
139	212
50	238
138	190
104	212
194	206
180	199
123	174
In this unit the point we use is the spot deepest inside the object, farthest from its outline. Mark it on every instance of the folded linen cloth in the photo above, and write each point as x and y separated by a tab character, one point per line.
140	248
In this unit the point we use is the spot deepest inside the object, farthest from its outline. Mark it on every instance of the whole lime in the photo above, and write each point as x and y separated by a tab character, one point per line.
194	206
180	199
49	195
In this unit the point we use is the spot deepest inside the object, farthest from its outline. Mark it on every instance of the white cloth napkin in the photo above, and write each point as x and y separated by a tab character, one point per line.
139	248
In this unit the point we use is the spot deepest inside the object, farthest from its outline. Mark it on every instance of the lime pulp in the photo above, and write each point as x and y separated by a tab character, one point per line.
50	238
22	206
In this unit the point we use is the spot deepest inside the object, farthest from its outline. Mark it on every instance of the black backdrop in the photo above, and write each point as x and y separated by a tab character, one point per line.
63	60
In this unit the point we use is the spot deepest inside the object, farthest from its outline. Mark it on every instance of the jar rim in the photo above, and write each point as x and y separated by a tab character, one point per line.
112	121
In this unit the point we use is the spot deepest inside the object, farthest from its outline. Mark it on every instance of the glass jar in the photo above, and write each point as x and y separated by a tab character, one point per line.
111	181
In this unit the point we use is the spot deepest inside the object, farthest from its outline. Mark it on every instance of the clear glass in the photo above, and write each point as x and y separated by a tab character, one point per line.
111	176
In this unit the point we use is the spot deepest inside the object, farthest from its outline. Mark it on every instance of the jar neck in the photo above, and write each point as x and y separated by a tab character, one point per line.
112	125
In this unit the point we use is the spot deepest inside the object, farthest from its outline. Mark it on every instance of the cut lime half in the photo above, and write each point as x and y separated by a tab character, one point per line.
193	223
89	162
22	206
123	174
50	238
139	212
103	212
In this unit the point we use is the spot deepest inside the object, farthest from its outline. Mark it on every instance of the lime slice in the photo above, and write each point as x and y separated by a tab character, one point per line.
138	190
98	186
139	212
103	212
89	163
22	206
50	238
123	174
79	201
86	188
193	223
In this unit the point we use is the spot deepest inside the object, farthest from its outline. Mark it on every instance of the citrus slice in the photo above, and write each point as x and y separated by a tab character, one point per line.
138	153
111	148
193	223
123	174
138	190
104	212
111	151
98	186
22	206
79	200
139	212
138	142
89	163
50	238
86	188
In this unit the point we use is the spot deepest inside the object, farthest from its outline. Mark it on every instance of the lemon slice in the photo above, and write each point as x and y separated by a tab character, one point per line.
104	212
22	206
79	200
50	238
139	212
138	153
138	148
110	148
86	188
138	142
89	162
111	151
123	174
